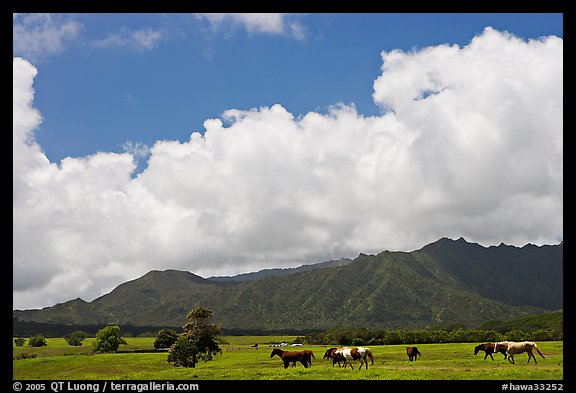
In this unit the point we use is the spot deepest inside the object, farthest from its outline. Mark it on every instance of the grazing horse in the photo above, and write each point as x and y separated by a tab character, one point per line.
489	349
305	357
413	353
336	358
350	354
515	348
309	356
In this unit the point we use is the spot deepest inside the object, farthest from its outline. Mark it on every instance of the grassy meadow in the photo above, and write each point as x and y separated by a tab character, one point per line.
239	361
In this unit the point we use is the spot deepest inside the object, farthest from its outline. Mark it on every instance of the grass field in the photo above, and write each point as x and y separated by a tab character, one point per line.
454	361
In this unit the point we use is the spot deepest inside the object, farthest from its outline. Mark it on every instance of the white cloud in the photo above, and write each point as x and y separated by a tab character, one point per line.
471	146
272	23
137	40
36	36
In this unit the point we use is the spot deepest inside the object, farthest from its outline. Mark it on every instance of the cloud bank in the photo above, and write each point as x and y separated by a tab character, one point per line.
469	143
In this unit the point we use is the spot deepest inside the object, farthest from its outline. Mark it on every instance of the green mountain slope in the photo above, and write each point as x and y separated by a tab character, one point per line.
444	282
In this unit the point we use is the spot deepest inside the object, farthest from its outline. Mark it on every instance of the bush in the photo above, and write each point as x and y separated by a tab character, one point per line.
37	341
75	338
25	356
19	341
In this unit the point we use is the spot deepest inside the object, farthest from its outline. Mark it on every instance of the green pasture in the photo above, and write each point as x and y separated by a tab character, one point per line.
239	361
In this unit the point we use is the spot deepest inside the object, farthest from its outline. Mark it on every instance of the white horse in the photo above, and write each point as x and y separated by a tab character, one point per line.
515	348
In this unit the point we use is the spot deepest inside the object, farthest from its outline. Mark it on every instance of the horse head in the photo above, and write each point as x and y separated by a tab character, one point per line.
276	351
329	353
477	348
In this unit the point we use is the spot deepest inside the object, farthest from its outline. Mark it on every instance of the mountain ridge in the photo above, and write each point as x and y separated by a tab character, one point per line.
436	284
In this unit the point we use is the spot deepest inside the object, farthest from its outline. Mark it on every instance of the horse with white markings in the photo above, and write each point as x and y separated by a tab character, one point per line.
359	353
515	348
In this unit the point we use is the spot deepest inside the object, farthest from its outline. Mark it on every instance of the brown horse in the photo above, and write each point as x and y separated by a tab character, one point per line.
515	348
305	357
413	353
488	349
335	357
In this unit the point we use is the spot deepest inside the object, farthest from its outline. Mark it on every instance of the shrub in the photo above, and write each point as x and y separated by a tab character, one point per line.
75	338
37	341
19	341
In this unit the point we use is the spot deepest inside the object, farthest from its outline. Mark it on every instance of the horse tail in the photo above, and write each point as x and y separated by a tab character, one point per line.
537	350
370	355
312	353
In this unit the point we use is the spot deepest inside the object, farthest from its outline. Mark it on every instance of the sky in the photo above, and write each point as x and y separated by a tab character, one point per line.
228	143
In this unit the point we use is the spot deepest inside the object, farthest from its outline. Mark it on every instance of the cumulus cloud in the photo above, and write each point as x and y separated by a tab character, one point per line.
469	143
272	23
36	36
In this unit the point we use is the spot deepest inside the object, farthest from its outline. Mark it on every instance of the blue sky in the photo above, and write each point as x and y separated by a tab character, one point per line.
97	98
227	143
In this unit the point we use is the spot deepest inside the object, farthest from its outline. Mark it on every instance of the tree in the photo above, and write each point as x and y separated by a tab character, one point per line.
165	338
108	339
183	353
19	341
198	342
75	338
37	341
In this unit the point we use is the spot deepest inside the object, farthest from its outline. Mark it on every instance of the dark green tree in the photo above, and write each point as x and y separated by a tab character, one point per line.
165	338
108	339
198	341
75	338
19	341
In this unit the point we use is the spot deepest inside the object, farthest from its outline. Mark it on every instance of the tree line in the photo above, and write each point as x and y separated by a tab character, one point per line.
358	337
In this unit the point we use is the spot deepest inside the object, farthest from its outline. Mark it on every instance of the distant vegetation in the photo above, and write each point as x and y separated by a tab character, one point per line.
539	327
360	337
547	321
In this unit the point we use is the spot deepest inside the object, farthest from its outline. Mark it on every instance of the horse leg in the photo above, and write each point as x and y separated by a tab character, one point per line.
511	359
286	363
